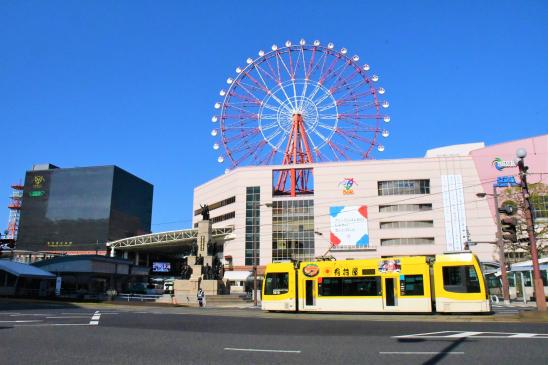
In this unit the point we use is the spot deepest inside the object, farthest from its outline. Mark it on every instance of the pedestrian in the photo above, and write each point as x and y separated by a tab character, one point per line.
201	298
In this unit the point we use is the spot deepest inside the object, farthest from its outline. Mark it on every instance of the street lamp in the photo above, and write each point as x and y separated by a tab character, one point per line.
521	153
500	243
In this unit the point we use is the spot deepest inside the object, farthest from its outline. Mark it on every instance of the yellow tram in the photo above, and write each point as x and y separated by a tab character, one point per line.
448	283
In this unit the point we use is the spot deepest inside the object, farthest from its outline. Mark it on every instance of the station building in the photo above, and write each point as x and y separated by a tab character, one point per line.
370	208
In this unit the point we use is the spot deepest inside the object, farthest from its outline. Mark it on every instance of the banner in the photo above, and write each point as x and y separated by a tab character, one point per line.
349	226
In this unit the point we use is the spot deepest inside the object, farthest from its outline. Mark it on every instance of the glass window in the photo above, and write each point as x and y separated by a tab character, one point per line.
412	285
405	208
403	187
276	283
461	279
407	241
527	278
252	225
544	278
293	230
406	224
356	286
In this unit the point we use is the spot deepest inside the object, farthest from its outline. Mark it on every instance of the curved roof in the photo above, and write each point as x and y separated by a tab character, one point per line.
165	239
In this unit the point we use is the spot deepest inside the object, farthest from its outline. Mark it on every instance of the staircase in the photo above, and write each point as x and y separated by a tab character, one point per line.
229	301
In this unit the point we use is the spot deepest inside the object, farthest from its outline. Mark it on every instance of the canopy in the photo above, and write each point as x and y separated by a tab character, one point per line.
24	270
236	275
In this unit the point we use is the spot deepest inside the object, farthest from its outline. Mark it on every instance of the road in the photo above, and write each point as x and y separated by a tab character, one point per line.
67	334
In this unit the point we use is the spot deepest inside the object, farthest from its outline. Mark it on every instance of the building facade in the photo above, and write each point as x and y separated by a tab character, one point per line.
78	210
363	209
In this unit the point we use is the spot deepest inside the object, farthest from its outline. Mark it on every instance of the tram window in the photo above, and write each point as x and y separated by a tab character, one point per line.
511	279
461	279
277	283
352	287
527	278
544	277
412	285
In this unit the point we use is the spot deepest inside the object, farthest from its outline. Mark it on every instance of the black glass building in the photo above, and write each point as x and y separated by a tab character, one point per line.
80	209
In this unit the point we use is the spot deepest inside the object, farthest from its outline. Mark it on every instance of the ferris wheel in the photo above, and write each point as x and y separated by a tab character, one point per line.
300	103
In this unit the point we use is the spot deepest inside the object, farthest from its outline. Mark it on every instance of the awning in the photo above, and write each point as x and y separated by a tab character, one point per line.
24	270
236	275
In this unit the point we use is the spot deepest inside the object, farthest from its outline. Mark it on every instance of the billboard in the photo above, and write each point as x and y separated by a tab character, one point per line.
349	226
161	267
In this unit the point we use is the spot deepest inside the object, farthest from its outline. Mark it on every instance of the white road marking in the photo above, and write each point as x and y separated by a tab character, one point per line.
27	314
420	353
464	334
66	317
51	324
95	319
475	335
22	321
262	350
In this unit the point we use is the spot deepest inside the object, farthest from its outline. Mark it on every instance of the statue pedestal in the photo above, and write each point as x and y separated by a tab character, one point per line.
210	287
185	291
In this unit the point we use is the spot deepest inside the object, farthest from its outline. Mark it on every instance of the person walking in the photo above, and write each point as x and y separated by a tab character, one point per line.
201	298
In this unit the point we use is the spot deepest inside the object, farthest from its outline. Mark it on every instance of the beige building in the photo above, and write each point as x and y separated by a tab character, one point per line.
416	206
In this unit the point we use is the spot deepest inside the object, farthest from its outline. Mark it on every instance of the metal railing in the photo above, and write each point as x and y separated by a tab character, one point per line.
138	297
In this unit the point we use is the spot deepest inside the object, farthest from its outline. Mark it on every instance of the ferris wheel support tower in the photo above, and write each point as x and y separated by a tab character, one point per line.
296	152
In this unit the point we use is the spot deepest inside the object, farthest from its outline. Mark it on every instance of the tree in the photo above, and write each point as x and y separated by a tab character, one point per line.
539	201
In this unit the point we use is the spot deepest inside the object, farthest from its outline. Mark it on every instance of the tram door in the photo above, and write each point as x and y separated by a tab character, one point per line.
389	299
309	293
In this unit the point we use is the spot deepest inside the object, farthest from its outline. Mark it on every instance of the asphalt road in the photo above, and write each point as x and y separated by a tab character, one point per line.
65	334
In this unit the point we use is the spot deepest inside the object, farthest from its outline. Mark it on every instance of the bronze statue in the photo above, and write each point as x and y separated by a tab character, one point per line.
205	212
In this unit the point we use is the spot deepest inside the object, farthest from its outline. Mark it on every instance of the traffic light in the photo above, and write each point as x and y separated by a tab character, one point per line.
509	229
508	224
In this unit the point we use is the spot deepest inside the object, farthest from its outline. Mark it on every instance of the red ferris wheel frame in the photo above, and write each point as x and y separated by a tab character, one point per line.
289	105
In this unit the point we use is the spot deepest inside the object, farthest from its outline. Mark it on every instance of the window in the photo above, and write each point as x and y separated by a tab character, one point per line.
292	230
461	279
403	187
276	283
540	206
353	287
281	182
406	224
404	208
252	225
412	285
527	278
407	241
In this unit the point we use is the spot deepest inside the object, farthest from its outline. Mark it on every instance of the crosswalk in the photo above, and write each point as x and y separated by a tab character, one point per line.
57	318
475	334
503	309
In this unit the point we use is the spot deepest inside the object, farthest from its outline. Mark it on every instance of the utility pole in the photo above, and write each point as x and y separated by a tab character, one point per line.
521	153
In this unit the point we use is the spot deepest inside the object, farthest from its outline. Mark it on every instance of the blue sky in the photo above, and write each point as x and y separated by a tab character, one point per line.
133	83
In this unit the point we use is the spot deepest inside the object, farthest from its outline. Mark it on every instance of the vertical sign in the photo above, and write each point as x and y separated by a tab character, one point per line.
453	212
58	286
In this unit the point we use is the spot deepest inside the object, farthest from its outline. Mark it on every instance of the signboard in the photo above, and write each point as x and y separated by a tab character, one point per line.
161	267
506	181
501	164
311	270
58	281
348	184
349	226
388	266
